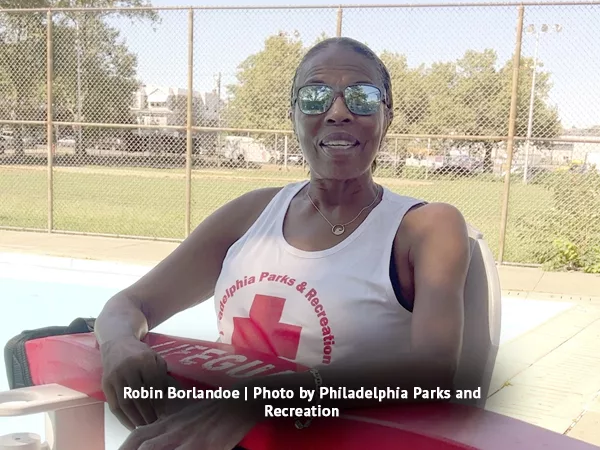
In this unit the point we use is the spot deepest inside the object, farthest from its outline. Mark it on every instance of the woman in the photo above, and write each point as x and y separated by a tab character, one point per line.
362	284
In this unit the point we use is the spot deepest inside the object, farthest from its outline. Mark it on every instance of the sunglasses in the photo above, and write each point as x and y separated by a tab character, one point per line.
360	99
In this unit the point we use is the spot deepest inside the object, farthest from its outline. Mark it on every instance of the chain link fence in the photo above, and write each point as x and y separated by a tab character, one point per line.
142	121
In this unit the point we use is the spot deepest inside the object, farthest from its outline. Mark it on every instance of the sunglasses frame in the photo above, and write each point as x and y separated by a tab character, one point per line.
382	97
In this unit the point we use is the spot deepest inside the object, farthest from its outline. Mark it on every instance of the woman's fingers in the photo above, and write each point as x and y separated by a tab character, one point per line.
131	367
151	437
163	442
129	407
135	412
139	410
158	378
113	403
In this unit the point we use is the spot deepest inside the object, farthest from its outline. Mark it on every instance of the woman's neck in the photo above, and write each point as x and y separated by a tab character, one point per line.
344	194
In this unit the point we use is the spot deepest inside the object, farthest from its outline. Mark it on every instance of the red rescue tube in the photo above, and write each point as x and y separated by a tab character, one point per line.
74	361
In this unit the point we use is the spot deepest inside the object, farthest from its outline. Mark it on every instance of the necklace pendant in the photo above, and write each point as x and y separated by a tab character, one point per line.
338	230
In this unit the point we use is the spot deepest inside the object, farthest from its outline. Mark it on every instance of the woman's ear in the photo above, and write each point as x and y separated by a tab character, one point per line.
291	117
389	118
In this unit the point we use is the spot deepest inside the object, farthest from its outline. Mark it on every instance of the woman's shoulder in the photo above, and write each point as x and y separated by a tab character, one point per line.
402	206
419	209
261	197
254	202
434	219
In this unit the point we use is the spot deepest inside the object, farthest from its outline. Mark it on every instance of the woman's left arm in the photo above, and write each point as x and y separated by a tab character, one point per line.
439	255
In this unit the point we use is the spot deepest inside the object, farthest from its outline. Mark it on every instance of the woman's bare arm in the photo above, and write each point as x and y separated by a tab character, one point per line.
186	278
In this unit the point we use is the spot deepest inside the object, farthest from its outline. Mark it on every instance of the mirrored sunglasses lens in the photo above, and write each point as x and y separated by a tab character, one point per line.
314	99
363	100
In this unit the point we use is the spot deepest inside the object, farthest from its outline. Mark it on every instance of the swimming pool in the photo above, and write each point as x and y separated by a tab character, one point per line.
39	291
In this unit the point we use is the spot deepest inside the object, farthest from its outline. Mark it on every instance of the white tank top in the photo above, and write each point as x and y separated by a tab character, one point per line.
314	308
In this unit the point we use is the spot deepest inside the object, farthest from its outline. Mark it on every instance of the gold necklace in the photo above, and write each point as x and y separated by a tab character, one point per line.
340	228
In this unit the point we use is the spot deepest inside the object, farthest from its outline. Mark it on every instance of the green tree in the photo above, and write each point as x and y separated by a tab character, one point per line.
94	73
444	109
261	97
95	76
478	92
22	66
546	120
472	96
409	93
410	104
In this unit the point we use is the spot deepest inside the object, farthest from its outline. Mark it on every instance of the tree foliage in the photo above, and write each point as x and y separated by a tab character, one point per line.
94	73
470	96
261	96
22	67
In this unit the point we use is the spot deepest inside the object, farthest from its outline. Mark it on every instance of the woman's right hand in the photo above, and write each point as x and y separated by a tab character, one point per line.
130	363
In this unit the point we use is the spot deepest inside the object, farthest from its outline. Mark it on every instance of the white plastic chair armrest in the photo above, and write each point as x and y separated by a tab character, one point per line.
41	399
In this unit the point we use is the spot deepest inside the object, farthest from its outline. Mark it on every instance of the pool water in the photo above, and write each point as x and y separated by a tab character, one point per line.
36	297
54	291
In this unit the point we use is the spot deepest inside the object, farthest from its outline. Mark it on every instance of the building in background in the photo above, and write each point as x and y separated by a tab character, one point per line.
167	106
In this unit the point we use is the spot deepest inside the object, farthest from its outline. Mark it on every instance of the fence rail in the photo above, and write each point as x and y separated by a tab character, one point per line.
141	121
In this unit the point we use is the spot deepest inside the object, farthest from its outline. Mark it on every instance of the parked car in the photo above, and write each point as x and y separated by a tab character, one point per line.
292	160
534	173
67	141
460	165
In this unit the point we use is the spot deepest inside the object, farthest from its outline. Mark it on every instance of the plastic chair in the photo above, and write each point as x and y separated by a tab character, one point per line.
481	336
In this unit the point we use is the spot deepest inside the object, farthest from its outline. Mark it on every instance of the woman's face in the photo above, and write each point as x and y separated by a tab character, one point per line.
339	144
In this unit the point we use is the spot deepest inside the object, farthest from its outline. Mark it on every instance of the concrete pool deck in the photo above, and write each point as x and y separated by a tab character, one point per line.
547	376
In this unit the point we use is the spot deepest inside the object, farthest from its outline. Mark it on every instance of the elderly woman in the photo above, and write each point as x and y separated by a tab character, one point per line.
337	273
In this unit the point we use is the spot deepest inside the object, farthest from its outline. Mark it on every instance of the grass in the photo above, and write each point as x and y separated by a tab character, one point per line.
146	202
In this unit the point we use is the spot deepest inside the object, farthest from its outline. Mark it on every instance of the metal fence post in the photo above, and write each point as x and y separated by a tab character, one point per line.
49	114
285	152
338	31
190	124
511	133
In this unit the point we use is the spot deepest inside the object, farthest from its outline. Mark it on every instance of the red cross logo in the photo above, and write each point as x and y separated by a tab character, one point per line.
264	332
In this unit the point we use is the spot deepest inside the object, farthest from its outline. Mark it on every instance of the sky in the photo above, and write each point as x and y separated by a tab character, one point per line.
224	38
